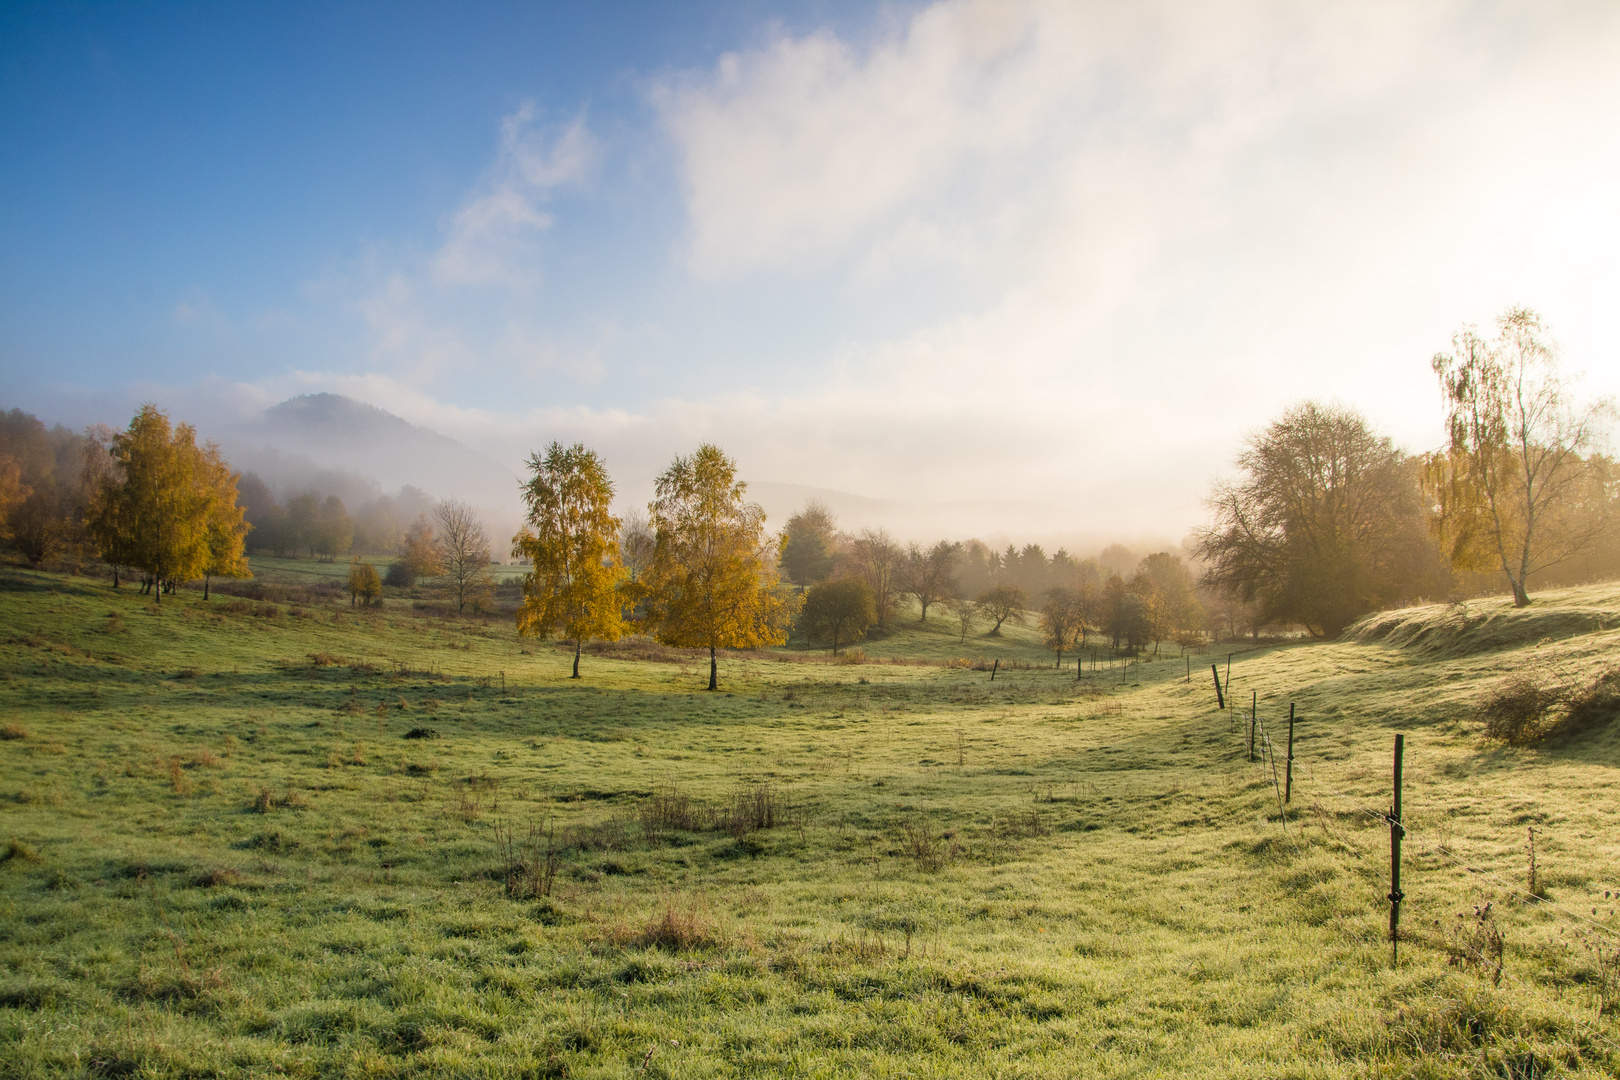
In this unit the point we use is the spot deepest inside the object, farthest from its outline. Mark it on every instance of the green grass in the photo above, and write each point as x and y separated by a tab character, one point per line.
229	860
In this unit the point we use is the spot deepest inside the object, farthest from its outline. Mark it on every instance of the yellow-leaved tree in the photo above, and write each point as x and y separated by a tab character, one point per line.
227	527
571	538
712	583
165	506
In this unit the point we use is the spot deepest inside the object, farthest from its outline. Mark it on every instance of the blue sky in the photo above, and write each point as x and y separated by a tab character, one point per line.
1062	251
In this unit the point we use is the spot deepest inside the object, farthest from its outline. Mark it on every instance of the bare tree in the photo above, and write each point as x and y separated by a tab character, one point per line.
967	613
1510	480
878	561
636	544
930	575
463	551
1003	603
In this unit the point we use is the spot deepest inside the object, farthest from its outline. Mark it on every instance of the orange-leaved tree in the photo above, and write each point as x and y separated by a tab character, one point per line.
712	583
571	538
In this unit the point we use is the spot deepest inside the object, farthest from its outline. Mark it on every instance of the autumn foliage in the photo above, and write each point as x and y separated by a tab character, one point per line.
712	583
166	507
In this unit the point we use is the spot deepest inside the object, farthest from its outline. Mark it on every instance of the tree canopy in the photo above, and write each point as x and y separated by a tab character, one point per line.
808	542
1325	525
571	537
166	507
712	583
840	611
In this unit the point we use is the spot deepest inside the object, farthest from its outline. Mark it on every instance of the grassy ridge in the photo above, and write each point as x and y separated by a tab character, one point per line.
229	859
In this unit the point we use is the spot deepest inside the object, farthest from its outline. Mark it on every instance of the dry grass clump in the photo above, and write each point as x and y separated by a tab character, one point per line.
749	808
670	809
673	928
1477	944
13	731
19	850
529	862
757	806
219	875
265	801
929	850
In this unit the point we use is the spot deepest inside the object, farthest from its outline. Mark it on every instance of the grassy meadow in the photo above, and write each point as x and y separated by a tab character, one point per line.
247	838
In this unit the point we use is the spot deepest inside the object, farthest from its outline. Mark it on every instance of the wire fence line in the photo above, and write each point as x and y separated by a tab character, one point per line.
1423	846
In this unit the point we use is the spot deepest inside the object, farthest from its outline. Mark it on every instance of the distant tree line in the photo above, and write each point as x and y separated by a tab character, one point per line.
321	524
854	584
153	504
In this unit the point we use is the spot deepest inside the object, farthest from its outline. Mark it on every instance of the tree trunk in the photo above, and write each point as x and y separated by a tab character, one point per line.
1521	598
115	577
575	675
205	586
714	671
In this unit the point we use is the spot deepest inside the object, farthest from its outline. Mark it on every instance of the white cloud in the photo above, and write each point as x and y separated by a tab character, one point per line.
1175	218
491	238
1120	235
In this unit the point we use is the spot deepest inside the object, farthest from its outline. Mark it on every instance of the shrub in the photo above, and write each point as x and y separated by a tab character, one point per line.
1518	711
1590	707
422	733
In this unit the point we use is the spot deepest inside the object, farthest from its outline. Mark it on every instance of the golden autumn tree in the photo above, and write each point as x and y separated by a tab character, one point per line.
365	587
712	583
166	507
227	528
571	538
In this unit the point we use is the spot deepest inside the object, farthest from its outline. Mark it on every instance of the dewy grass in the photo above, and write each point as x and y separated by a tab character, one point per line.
940	875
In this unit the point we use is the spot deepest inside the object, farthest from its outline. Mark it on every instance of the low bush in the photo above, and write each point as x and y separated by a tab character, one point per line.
1519	711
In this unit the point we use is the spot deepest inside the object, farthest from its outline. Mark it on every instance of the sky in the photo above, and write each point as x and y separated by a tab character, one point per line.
1071	253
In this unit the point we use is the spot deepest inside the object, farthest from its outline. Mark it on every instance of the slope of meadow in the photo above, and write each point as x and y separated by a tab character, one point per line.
228	856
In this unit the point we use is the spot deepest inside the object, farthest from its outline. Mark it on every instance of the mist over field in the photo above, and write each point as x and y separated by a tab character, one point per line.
951	538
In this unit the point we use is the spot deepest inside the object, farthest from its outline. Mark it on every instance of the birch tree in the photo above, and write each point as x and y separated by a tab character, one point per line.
571	538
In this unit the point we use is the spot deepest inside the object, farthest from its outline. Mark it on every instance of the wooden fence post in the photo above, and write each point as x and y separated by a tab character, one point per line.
1288	788
1396	832
994	668
1215	673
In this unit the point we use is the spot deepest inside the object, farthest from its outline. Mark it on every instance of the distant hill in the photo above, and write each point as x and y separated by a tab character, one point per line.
336	433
